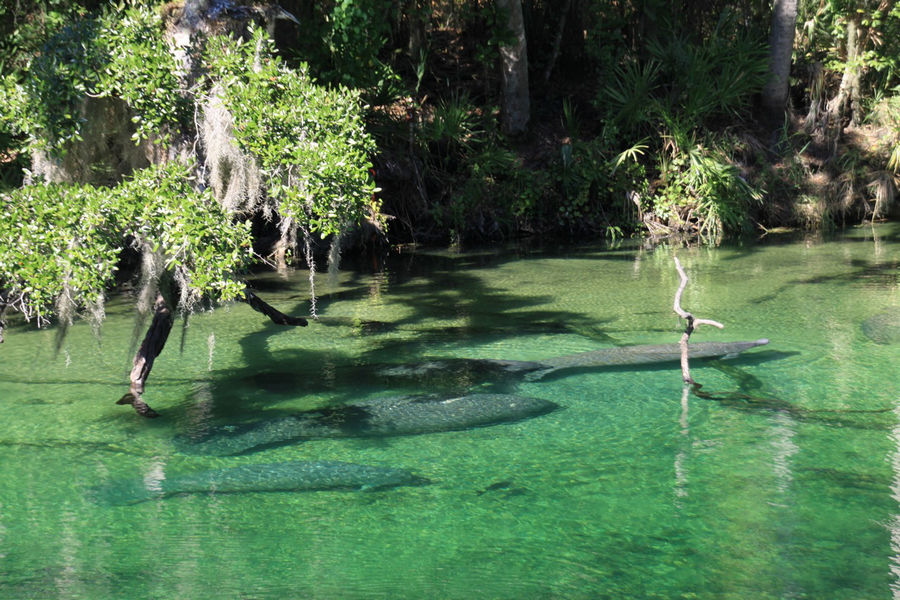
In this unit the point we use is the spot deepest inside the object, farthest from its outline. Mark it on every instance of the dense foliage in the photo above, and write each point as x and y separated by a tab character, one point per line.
644	114
116	54
309	142
60	244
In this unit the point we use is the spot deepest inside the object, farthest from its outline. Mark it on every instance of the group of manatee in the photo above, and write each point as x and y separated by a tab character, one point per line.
405	415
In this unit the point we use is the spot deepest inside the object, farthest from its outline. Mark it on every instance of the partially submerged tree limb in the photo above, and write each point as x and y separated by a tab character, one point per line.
3	306
692	324
153	343
276	316
158	333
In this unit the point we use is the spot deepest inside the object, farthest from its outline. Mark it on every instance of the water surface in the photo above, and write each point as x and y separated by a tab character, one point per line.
783	484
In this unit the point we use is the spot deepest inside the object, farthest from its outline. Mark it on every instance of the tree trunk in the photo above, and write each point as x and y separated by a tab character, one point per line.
516	109
2	314
417	30
846	103
557	40
153	343
781	46
158	333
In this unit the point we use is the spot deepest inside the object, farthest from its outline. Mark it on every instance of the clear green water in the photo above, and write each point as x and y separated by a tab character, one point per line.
628	492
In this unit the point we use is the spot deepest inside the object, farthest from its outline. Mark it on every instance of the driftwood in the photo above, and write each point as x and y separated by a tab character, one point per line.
692	324
158	333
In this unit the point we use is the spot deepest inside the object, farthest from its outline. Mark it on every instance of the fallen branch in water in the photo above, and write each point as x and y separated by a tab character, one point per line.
692	324
276	316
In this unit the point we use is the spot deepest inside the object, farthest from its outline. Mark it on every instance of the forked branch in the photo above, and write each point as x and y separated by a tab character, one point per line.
692	324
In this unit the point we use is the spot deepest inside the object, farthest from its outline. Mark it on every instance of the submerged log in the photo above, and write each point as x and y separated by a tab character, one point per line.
645	355
619	356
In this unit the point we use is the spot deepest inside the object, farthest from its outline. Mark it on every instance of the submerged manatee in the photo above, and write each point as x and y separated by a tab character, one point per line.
275	477
883	328
459	371
643	355
381	417
534	370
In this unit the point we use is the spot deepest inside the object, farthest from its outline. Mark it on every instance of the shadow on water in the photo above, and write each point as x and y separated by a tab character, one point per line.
877	272
882	274
425	289
83	447
751	397
887	233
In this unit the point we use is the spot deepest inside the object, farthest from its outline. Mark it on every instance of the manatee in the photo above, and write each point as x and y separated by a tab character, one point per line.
643	355
883	328
273	477
382	417
460	370
534	370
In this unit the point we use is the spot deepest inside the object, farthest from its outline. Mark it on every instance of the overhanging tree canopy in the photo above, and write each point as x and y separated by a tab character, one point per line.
221	132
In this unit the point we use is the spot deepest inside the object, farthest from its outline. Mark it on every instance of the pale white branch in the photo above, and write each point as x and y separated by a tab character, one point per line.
699	322
692	323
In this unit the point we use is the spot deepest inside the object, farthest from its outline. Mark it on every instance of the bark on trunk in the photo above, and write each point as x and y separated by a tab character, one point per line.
781	45
3	306
846	103
153	343
416	22
158	333
557	40
816	96
514	63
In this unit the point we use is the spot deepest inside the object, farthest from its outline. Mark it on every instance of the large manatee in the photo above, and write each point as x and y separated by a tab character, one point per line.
273	477
381	417
533	370
643	355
